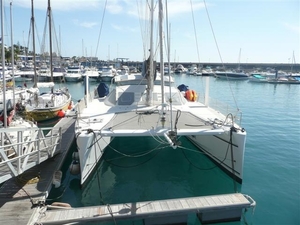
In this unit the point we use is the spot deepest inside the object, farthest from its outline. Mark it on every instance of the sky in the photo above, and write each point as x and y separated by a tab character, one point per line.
228	31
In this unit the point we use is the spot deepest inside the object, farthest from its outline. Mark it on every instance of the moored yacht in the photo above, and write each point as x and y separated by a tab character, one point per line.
107	73
73	74
231	75
93	74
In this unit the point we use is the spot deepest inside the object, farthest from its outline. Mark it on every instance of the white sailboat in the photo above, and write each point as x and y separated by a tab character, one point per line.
150	105
22	144
52	104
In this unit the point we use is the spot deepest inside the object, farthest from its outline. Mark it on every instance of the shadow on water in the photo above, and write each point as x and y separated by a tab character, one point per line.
128	173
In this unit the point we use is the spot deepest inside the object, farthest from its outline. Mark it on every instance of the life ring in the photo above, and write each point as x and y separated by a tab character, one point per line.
191	95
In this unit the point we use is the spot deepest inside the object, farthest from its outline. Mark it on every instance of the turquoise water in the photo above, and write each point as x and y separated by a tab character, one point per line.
271	116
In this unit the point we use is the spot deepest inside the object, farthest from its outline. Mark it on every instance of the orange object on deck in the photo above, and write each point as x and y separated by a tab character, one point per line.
191	95
70	106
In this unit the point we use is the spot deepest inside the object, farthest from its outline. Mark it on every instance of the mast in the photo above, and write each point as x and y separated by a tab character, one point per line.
160	9
239	61
3	66
168	27
33	43
50	39
151	76
12	55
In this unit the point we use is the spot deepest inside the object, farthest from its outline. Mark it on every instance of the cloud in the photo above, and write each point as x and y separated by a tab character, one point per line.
292	27
117	27
124	28
114	6
177	7
84	24
129	7
60	5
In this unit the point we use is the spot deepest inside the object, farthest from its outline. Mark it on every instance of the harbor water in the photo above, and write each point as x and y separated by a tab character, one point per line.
271	117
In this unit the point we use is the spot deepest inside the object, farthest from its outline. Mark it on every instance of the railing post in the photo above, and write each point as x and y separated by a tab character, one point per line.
38	145
19	151
60	138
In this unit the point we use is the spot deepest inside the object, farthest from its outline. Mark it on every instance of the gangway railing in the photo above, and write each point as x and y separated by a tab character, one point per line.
23	148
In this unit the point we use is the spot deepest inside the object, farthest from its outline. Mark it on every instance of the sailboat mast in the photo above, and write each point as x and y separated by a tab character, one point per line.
168	29
3	65
151	77
160	8
33	47
50	39
239	61
12	54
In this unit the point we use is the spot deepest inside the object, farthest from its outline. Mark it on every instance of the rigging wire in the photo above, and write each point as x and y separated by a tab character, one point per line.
139	164
97	172
196	39
218	49
196	151
143	33
195	31
100	31
137	156
43	46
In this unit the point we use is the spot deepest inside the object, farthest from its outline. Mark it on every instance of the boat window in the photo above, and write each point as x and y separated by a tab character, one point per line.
111	98
58	69
126	98
176	98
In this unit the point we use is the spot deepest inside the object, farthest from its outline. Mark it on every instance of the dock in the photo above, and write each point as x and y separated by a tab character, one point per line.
209	209
21	197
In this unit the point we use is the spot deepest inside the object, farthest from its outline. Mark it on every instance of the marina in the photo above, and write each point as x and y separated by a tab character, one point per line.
274	94
206	143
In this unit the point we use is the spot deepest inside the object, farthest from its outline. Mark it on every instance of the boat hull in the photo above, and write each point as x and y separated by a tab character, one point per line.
226	151
90	148
106	78
43	114
231	76
73	79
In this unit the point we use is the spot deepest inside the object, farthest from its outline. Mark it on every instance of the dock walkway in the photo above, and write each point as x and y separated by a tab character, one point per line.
215	208
20	196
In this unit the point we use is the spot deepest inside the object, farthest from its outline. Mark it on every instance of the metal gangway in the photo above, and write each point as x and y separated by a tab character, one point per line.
24	148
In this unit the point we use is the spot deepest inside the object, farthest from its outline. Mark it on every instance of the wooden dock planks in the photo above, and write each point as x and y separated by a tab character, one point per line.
17	194
146	210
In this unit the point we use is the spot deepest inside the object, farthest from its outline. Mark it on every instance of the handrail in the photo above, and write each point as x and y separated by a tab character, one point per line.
18	152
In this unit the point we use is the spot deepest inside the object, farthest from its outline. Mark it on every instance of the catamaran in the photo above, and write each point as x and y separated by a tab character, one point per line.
150	105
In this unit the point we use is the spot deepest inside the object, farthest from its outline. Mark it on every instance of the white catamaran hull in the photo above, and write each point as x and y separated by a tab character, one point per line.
90	148
229	155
